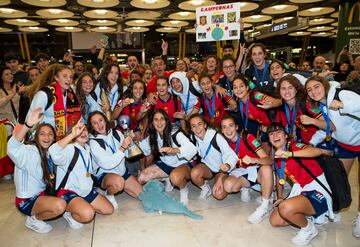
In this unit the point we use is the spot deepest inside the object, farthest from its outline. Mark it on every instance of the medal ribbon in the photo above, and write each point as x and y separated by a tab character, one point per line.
212	108
324	110
263	75
187	102
291	123
237	144
51	165
86	165
246	112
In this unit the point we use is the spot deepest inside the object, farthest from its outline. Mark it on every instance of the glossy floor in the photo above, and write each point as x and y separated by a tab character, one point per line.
224	224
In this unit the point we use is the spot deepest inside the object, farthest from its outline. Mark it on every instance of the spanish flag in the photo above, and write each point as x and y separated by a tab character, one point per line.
6	165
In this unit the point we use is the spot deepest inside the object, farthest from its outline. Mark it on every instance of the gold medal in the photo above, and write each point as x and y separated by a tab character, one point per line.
88	174
132	101
282	181
328	138
52	176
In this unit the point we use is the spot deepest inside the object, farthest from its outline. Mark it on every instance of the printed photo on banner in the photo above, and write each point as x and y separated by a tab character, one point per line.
218	22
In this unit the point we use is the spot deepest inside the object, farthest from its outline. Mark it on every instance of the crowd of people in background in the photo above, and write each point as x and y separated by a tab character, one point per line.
242	120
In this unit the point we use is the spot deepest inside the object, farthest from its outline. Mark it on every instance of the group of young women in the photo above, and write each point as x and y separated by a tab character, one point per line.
238	130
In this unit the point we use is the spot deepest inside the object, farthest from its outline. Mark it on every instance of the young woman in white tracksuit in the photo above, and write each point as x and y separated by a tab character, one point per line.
82	199
342	108
214	161
173	152
108	149
33	173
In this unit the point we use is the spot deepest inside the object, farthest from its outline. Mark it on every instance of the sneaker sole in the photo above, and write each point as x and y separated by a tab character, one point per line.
308	242
39	231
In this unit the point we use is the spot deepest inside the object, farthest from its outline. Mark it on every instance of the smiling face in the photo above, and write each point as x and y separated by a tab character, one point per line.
287	91
162	87
7	76
98	123
64	78
181	65
34	74
316	91
176	85
87	84
159	122
83	137
113	76
258	56
276	71
206	86
229	128
138	90
211	64
198	127
240	89
277	138
228	68
46	137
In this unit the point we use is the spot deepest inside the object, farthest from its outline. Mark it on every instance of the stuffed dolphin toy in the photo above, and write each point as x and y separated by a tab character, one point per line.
155	199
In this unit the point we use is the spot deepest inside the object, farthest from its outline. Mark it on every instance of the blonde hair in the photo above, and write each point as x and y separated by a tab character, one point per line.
45	79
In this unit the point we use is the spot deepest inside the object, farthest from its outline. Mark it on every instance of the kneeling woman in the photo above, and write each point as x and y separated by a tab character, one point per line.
77	189
108	148
174	150
254	168
31	178
216	158
307	197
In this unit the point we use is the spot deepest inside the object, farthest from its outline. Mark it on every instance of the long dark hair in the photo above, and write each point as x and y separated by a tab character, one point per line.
1	74
80	92
300	90
104	82
43	154
153	132
91	129
324	82
129	92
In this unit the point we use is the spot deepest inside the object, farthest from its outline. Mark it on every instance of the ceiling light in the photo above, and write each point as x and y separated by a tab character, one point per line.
55	11
279	7
69	28
139	21
22	20
256	16
287	18
100	11
197	2
137	28
7	11
63	20
150	1
33	28
314	9
102	21
103	28
175	22
317	20
184	14
98	1
167	28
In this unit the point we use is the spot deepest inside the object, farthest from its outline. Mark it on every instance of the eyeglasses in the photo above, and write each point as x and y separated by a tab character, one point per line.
228	67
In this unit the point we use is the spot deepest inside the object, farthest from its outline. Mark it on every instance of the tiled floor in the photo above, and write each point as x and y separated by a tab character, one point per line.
224	224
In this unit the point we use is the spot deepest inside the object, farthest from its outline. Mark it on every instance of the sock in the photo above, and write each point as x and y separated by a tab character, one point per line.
265	202
308	227
204	186
185	188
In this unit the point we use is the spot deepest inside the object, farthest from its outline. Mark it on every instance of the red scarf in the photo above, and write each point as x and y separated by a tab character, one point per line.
65	117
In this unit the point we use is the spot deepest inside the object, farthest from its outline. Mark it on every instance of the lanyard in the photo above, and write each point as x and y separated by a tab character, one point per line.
212	108
263	75
187	102
281	171
246	112
51	166
237	144
109	146
112	99
292	122
324	111
207	150
65	111
86	165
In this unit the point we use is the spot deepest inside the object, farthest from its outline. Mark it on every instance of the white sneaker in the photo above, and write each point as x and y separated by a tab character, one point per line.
168	185
245	194
259	215
72	222
8	177
205	192
184	198
36	225
356	229
112	200
304	236
337	217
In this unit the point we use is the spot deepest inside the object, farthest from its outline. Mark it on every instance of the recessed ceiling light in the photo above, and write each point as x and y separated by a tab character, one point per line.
174	22
287	18
98	1
63	20
22	20
197	2
100	11
150	1
139	21
184	13
279	7
55	11
314	9
69	28
7	10
137	28
33	28
103	28
256	16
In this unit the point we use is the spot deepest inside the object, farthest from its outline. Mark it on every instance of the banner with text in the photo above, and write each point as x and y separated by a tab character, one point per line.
218	22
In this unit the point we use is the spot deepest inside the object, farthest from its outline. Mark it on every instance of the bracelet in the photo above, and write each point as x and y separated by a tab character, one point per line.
287	154
123	147
292	154
26	124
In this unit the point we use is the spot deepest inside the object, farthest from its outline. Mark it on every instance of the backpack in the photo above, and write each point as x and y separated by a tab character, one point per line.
102	142
270	113
349	87
212	142
336	177
244	135
50	190
50	97
193	90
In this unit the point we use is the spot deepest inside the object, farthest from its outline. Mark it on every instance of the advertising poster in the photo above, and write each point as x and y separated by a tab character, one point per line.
218	22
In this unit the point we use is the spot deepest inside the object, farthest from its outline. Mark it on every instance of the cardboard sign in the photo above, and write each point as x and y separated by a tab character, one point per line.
218	22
